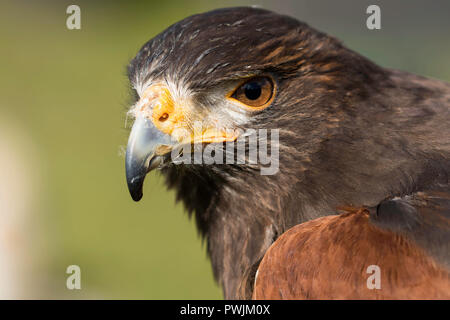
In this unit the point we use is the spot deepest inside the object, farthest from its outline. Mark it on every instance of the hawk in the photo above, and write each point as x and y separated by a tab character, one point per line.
363	161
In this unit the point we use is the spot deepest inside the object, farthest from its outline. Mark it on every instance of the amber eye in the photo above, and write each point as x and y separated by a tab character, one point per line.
256	92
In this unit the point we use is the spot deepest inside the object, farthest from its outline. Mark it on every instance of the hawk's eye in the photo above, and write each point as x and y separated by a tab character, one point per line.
255	93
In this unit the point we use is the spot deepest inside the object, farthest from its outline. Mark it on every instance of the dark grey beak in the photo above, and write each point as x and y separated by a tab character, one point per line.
142	153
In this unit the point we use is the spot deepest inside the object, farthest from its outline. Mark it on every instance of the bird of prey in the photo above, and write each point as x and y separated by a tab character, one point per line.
363	158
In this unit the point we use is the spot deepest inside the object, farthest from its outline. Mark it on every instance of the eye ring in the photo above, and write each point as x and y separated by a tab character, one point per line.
256	93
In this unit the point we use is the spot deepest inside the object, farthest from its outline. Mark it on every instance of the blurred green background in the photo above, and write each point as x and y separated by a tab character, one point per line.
63	99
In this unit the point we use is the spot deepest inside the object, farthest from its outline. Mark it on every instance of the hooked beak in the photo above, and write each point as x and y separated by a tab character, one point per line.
145	151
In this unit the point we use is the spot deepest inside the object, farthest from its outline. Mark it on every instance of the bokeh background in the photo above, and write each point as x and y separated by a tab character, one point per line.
63	99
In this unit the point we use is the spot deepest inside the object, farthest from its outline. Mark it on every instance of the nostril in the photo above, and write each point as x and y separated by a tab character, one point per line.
164	117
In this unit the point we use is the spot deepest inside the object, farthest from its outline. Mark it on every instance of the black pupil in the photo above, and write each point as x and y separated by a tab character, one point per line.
252	90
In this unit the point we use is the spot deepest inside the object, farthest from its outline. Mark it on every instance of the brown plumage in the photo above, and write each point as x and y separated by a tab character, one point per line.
351	133
327	258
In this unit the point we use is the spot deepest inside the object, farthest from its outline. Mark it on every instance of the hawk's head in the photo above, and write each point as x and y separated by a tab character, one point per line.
229	70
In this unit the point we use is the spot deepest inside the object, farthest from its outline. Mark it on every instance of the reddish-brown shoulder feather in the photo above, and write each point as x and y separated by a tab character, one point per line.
327	258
